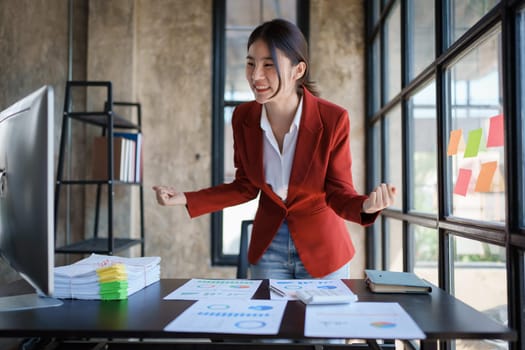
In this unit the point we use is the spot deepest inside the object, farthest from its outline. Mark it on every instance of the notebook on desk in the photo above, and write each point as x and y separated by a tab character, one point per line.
395	282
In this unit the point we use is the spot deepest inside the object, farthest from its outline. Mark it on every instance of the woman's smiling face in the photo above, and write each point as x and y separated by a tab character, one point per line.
263	77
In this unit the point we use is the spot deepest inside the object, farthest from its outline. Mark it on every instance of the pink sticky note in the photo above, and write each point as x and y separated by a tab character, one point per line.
496	133
462	181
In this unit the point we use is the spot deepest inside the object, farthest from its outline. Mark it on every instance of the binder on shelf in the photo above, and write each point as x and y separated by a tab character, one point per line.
100	159
395	282
126	158
136	153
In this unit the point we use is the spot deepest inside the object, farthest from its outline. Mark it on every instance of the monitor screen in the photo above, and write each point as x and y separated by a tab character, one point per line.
26	195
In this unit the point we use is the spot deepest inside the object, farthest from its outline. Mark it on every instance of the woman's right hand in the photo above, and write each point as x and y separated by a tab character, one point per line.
168	195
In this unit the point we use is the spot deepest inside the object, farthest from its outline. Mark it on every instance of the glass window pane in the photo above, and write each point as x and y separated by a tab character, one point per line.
231	224
480	266
425	253
232	216
423	155
242	13
376	154
395	244
286	9
376	11
376	75
465	13
392	54
242	16
520	100
394	154
475	145
421	35
378	242
236	87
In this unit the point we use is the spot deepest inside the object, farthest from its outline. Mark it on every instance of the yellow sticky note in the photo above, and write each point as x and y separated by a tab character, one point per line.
486	174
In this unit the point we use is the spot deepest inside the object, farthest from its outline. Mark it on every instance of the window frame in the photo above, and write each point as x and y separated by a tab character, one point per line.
218	257
511	234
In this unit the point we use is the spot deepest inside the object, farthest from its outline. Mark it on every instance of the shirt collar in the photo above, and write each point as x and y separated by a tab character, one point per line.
265	123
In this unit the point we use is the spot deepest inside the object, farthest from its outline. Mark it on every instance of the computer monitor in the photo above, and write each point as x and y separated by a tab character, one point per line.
26	196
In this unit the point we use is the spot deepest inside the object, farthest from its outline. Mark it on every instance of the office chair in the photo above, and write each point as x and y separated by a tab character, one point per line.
242	262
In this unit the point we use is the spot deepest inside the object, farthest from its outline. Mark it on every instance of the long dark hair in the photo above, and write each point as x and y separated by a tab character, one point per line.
287	37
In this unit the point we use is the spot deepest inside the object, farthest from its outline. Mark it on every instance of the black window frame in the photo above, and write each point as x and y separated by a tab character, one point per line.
511	235
218	258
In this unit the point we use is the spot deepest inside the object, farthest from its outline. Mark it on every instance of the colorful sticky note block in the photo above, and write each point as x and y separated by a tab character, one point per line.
453	143
462	181
474	140
486	174
496	134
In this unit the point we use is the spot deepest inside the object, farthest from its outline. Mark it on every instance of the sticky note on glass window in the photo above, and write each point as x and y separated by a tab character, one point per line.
486	174
462	181
474	140
496	135
453	143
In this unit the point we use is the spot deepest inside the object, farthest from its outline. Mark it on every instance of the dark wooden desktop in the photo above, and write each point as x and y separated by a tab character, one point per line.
145	314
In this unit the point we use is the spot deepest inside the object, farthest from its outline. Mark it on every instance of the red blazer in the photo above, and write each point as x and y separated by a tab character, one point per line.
321	193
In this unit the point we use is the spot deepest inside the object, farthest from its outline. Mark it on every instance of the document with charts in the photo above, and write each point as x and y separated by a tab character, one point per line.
363	320
286	289
230	316
196	289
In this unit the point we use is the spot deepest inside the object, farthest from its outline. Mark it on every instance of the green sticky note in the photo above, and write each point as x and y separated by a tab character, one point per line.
117	295
474	140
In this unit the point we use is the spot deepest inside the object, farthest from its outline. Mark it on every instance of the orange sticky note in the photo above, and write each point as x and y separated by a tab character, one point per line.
453	143
462	181
485	177
496	133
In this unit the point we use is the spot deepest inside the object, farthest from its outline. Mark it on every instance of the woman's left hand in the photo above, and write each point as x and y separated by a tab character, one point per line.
383	196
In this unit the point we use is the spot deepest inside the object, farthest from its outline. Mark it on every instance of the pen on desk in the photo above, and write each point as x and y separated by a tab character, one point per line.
277	291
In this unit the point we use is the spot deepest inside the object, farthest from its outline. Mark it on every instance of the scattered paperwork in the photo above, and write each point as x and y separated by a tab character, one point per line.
196	289
366	320
105	277
287	288
230	316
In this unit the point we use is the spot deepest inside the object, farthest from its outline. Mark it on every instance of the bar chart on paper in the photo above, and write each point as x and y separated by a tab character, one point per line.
230	316
196	289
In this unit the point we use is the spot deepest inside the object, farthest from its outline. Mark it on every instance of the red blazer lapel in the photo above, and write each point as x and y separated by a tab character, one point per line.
310	132
253	139
253	135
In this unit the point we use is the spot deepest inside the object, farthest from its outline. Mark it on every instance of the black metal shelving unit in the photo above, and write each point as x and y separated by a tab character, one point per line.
108	121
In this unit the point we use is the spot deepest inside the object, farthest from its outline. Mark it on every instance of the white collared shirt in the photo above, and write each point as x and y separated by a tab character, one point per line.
277	166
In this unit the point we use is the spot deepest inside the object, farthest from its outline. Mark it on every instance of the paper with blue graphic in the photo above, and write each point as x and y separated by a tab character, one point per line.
196	289
286	289
230	316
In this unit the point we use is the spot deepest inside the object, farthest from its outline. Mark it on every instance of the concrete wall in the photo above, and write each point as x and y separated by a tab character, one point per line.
159	53
337	46
33	53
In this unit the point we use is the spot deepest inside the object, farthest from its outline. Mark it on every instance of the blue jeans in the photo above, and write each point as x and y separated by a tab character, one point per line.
281	261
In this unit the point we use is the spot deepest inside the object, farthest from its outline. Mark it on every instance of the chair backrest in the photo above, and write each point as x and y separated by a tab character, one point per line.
242	262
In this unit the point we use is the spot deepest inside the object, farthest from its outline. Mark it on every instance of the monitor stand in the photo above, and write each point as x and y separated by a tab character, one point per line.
27	302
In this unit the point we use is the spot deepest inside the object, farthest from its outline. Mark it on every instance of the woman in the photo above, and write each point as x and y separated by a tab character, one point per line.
293	148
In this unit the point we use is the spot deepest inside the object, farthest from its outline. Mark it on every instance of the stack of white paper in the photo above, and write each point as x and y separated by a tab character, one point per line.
105	277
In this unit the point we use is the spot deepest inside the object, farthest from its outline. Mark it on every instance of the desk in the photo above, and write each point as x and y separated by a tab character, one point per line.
144	315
